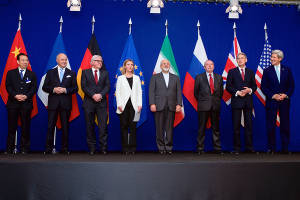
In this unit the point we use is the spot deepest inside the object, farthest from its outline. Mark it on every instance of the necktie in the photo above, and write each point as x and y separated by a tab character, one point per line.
96	76
21	73
61	74
211	84
278	73
243	74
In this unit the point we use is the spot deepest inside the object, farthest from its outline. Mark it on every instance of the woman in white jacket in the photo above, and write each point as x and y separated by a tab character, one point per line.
129	105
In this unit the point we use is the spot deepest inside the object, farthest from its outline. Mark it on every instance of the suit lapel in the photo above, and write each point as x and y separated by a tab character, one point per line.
216	82
274	74
204	77
126	83
161	76
91	75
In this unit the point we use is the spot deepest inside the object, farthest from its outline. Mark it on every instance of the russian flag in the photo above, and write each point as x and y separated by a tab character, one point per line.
196	67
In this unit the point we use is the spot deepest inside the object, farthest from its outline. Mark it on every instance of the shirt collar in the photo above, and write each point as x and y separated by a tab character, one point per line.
61	68
19	68
278	66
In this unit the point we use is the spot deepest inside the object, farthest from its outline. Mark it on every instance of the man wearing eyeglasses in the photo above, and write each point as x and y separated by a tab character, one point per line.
95	85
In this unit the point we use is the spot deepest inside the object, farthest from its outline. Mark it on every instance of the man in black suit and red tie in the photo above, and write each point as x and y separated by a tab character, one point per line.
241	85
208	92
95	85
60	83
21	86
278	85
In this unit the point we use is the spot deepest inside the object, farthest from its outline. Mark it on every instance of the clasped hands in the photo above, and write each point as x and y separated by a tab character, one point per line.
21	97
153	108
279	97
97	97
59	90
243	92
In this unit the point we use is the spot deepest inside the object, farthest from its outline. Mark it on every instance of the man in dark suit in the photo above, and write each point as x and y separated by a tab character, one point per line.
21	86
60	83
95	85
165	99
208	92
241	85
278	85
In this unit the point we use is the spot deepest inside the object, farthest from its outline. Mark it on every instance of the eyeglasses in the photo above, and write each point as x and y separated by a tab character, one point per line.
100	61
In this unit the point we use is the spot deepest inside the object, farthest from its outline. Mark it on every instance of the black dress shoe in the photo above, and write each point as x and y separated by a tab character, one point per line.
163	152
169	152
91	153
270	152
220	152
104	152
24	152
65	152
47	152
200	152
235	153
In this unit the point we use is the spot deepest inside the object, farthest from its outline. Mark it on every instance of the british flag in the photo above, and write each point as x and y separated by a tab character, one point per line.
230	64
264	62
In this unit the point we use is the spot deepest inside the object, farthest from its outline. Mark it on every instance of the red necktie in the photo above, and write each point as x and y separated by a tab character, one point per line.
243	74
211	84
96	76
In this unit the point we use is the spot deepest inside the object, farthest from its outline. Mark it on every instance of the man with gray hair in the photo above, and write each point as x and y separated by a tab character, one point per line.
278	86
95	85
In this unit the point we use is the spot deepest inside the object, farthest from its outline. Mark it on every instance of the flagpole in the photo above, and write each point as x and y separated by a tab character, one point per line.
234	29
20	22
130	23
15	151
93	24
266	33
198	26
166	24
61	21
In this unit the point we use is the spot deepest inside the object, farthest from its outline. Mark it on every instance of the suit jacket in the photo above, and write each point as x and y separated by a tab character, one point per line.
124	92
68	82
206	100
235	83
15	85
270	85
161	95
90	88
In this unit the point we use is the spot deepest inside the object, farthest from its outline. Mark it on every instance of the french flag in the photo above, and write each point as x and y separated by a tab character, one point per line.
196	67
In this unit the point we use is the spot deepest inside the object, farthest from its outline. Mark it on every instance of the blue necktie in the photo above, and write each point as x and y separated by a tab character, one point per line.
61	74
21	73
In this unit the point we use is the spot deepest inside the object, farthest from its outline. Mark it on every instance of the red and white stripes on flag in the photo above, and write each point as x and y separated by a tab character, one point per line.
264	62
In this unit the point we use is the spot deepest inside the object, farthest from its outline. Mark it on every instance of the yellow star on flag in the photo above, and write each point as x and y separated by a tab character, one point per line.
142	82
16	51
121	68
135	67
141	73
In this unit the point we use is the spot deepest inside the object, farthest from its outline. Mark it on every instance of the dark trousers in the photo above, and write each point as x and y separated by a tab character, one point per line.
284	115
164	121
52	119
101	114
126	122
203	117
236	119
12	117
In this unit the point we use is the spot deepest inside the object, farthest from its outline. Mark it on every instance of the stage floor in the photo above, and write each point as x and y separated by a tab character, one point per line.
150	176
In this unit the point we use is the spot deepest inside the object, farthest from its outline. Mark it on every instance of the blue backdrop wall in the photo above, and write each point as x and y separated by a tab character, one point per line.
40	27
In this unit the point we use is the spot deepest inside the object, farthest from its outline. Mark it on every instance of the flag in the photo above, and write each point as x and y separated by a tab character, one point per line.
230	64
264	62
166	52
130	52
93	49
58	47
196	67
11	63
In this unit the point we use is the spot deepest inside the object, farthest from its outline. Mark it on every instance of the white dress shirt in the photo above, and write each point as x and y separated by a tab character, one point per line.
166	77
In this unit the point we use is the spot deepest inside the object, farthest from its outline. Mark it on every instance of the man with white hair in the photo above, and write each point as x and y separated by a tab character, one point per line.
60	83
165	99
278	85
95	85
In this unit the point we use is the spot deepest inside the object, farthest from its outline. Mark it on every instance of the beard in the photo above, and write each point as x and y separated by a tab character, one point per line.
165	69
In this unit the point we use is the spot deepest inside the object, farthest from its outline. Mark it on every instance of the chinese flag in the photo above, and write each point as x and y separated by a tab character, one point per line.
16	48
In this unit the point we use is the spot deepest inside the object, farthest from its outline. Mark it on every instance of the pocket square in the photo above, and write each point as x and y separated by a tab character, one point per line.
68	76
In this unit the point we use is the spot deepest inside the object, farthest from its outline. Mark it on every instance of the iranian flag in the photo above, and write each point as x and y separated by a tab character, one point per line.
166	52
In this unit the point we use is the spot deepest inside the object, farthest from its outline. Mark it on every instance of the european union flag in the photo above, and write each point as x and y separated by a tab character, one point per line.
130	52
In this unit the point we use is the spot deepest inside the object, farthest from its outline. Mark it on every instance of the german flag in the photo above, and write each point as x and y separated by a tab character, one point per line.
93	49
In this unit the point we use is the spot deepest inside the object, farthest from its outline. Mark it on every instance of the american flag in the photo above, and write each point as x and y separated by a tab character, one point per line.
264	62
